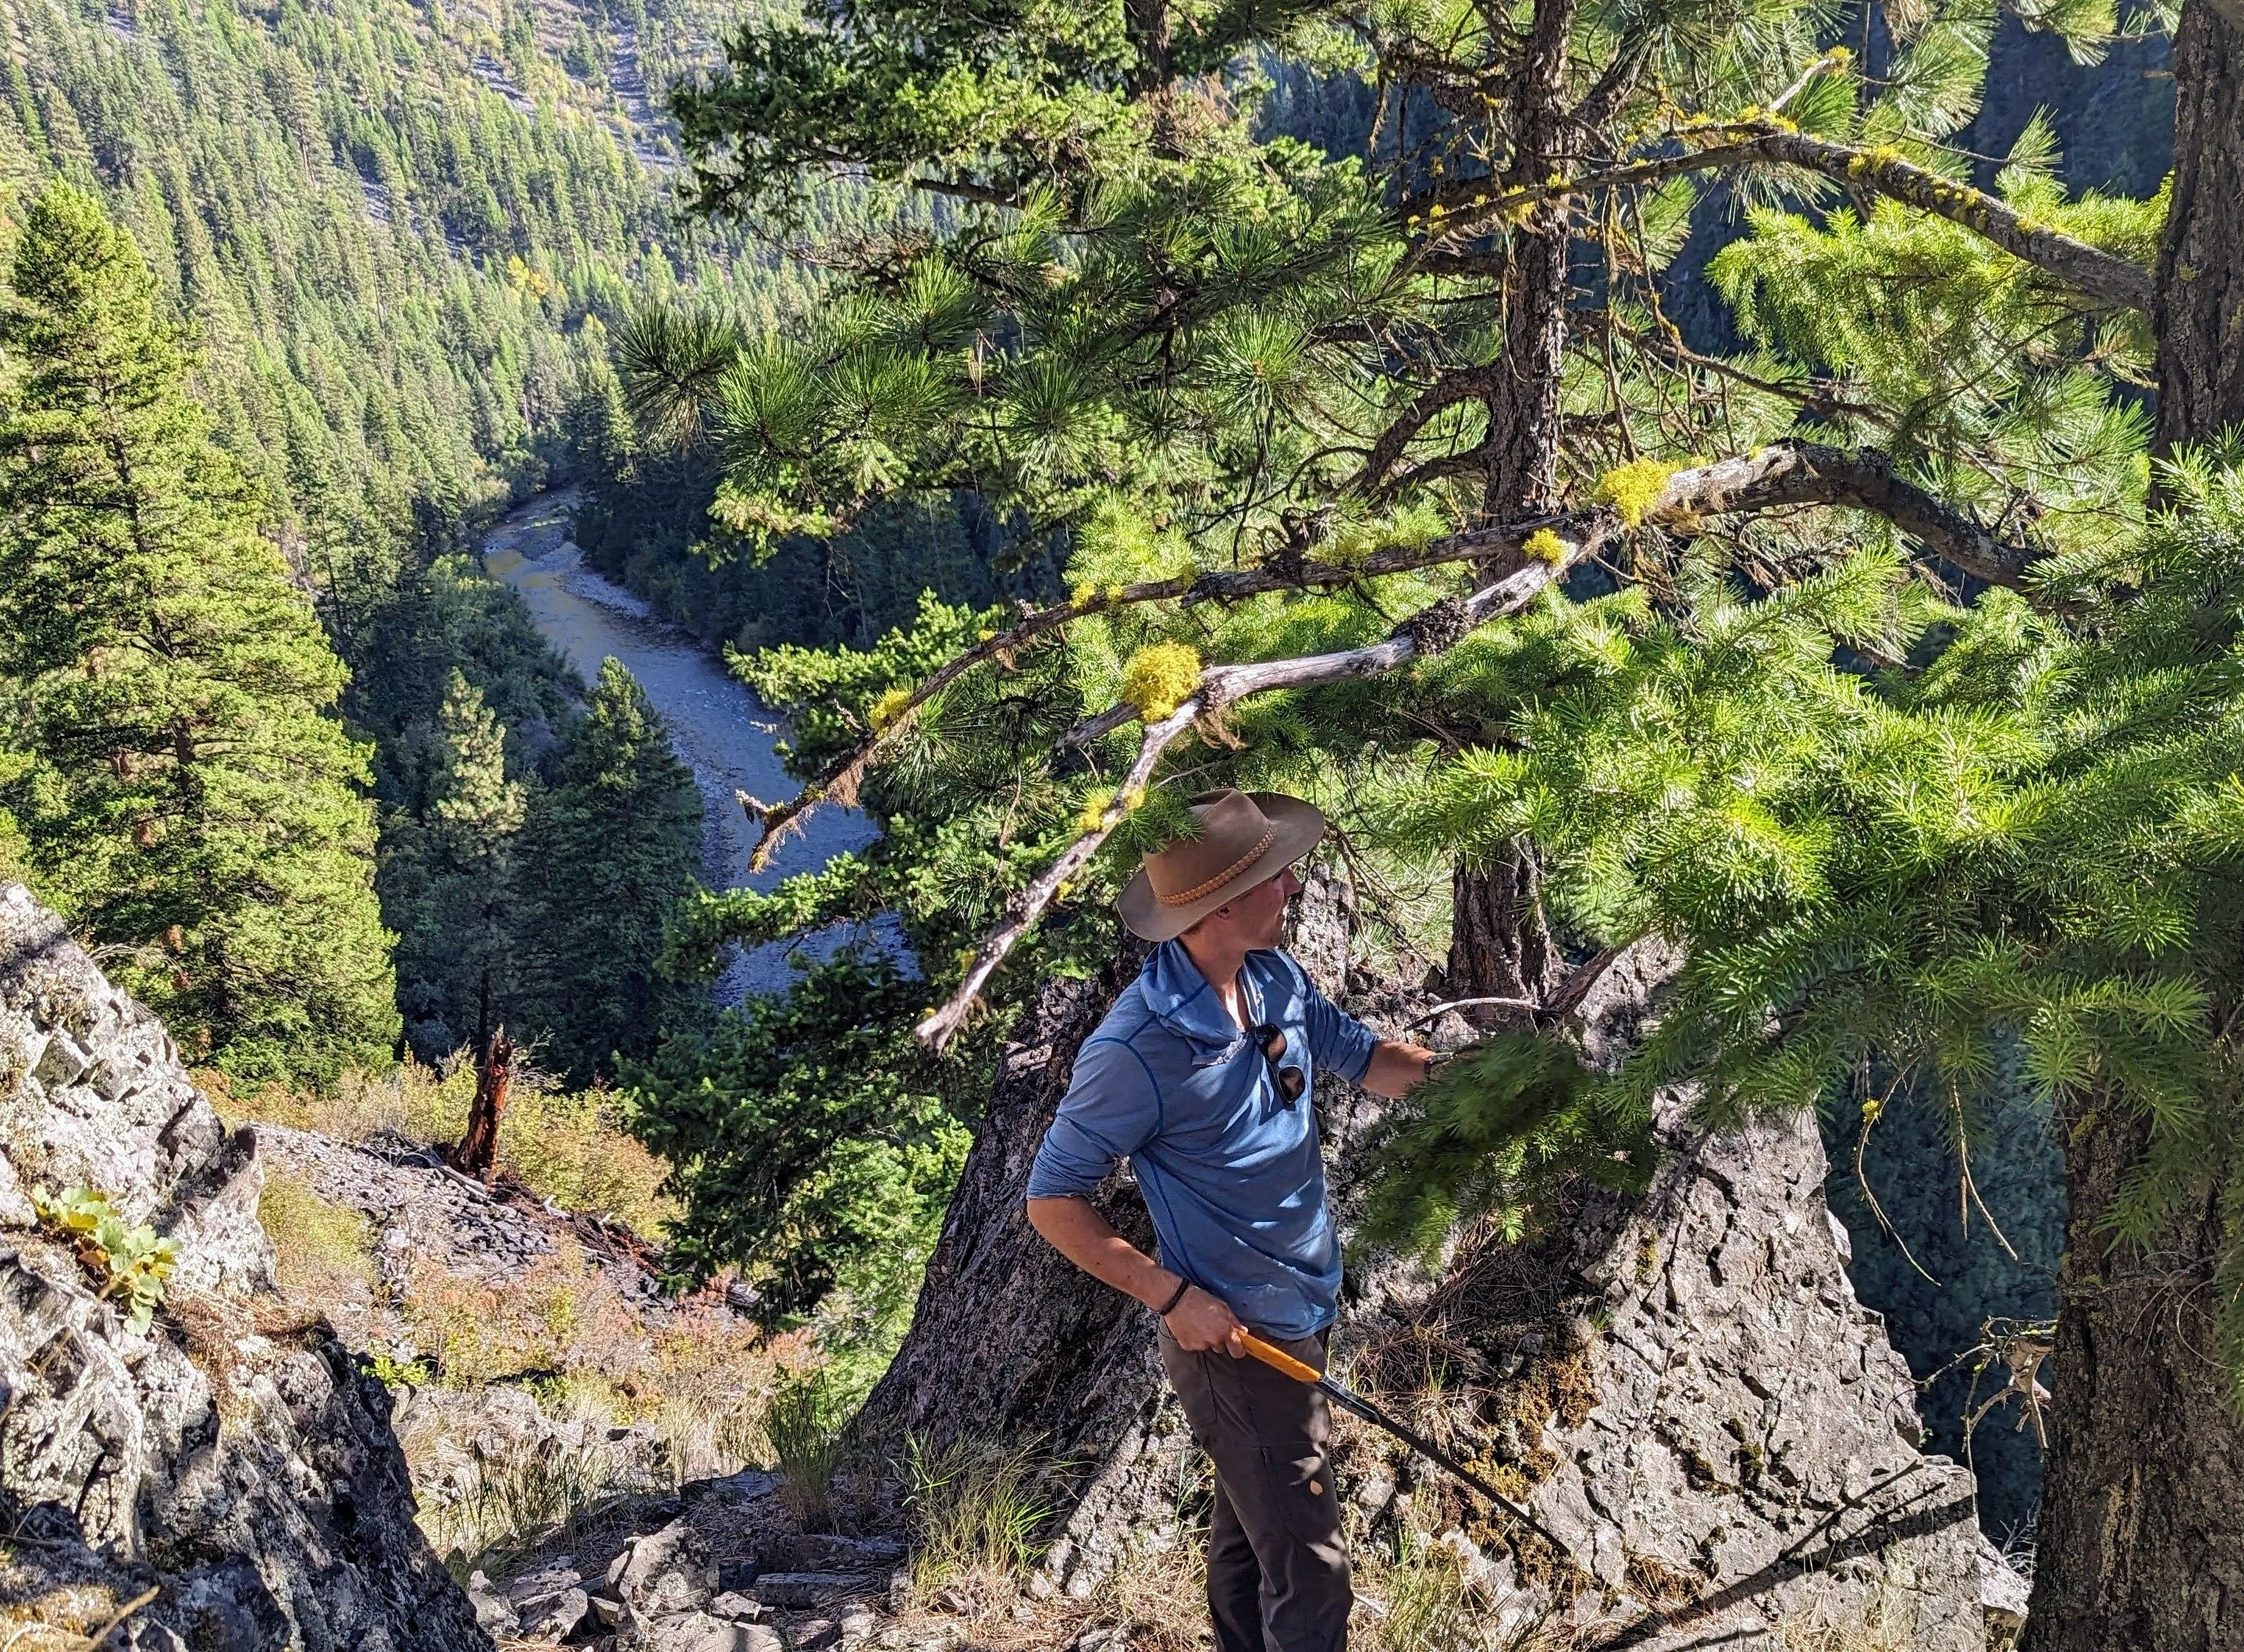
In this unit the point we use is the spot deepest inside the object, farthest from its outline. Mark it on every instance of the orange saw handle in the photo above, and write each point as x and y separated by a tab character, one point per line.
1279	1359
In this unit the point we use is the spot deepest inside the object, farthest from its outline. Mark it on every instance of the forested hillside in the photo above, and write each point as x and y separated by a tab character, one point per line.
390	239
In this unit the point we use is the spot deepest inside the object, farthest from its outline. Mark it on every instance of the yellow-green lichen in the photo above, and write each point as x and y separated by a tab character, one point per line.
1633	489
1159	678
1545	547
887	709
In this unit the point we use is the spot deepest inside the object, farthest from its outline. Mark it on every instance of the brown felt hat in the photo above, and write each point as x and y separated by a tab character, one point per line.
1245	838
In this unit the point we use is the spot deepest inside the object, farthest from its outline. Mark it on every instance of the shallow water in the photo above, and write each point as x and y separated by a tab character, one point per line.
720	729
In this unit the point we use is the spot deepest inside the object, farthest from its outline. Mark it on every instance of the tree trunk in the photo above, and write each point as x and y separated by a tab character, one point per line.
477	1151
2200	309
1010	1342
1524	413
1499	947
2139	1545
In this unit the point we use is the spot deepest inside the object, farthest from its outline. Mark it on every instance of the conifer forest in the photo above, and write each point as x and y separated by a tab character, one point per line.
1742	498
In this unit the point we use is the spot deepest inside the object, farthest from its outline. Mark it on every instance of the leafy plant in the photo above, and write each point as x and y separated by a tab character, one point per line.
392	1372
131	1262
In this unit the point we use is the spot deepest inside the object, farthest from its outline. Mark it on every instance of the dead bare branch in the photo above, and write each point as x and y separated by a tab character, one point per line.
1788	473
2104	276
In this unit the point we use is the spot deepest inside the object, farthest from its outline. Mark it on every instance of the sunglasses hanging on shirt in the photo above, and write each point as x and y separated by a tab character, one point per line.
1289	1079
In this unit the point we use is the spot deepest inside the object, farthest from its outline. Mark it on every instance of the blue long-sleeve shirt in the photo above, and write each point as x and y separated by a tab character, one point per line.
1231	1172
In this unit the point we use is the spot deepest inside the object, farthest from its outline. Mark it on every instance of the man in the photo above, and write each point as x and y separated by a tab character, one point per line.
1200	1075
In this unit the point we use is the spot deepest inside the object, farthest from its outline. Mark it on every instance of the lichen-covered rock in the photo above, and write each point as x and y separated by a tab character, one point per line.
231	1459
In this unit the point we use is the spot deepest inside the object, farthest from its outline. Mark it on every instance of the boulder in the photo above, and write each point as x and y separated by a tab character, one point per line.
231	1456
703	1632
664	1571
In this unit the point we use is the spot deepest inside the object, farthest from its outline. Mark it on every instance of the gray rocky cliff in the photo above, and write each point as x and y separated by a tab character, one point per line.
1682	1385
228	1474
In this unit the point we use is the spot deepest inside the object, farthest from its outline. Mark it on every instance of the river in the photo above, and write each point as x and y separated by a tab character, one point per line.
718	728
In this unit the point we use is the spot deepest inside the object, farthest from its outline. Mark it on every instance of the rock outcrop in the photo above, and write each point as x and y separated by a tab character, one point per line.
226	1478
1682	1385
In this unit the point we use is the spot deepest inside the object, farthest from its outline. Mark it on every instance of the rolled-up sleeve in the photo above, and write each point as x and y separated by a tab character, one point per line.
1112	1108
1338	1043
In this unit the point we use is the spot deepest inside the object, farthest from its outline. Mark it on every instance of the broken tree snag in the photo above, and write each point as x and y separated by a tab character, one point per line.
477	1152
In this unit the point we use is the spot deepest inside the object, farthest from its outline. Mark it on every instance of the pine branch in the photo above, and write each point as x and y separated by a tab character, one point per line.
1804	472
2104	276
1772	478
1789	474
967	189
1431	632
1465	384
1817	396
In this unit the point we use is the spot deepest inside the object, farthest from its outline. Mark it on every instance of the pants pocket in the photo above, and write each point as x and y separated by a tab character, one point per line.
1301	1494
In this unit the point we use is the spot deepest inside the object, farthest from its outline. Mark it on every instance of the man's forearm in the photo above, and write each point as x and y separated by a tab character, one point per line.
1072	1227
1395	1067
1200	1323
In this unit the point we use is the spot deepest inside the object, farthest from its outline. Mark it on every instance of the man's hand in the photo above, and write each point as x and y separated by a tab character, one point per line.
1201	1324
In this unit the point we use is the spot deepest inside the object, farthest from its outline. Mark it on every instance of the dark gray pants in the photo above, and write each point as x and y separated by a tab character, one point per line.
1277	1570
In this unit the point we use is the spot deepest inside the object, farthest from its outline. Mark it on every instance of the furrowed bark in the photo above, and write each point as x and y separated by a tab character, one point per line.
2200	315
2139	1547
1523	414
1501	955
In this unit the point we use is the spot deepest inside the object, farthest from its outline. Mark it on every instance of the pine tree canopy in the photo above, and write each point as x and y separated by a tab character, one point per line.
450	866
184	794
610	849
1852	663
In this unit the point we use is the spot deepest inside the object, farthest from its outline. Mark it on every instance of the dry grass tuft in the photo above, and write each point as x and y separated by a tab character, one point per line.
521	1501
1882	1626
805	1425
321	1247
976	1513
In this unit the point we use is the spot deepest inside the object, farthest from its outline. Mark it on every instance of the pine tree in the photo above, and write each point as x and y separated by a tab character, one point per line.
449	875
1941	771
189	797
611	849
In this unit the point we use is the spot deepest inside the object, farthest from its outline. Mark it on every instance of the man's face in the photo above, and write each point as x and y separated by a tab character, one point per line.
1257	919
